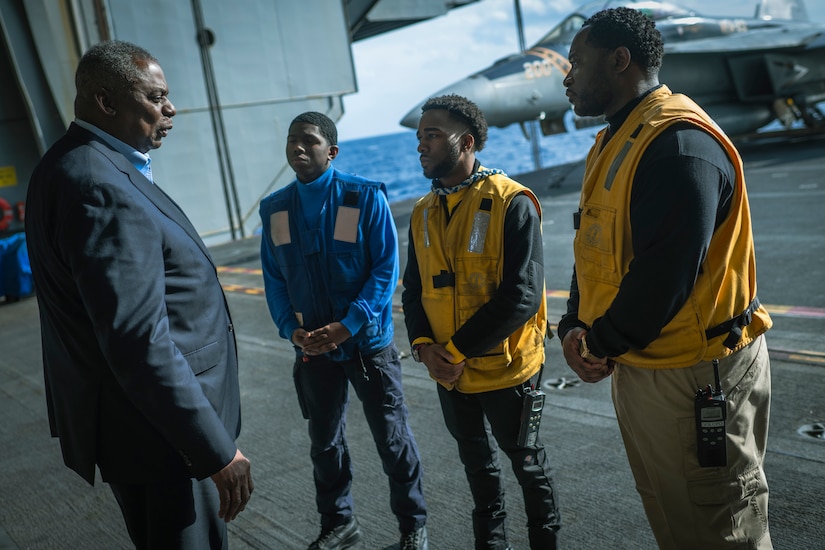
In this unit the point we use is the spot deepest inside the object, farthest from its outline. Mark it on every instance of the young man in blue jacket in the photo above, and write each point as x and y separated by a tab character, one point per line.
329	253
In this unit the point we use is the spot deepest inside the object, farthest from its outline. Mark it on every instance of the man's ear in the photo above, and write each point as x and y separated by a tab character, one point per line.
468	142
105	102
333	152
622	59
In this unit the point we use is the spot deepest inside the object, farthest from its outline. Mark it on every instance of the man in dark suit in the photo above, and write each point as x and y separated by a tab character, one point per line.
139	351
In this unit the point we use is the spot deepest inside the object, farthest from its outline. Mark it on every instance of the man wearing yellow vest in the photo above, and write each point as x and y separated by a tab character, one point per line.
663	294
476	314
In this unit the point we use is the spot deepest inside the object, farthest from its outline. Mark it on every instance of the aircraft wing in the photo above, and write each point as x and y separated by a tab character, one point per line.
767	39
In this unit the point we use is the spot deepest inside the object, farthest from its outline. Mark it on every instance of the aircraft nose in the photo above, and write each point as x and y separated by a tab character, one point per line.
410	120
477	88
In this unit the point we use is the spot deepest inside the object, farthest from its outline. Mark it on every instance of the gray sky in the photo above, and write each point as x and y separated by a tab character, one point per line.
397	70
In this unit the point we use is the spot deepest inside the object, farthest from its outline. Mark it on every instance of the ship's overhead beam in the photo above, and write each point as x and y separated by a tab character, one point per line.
369	18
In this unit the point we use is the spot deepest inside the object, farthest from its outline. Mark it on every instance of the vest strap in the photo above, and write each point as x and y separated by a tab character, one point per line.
443	279
733	327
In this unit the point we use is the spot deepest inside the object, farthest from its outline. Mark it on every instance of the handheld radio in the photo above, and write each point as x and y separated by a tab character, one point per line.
711	413
530	418
531	408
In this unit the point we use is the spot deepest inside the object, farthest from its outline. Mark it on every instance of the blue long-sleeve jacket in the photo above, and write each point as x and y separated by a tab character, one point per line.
341	266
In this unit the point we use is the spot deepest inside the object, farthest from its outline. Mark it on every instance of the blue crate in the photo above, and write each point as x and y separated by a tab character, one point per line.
15	271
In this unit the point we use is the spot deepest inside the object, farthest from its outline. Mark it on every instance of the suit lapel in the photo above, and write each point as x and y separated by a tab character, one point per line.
155	194
168	206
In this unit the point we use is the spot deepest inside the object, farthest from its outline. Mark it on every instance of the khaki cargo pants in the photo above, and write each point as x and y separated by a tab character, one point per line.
688	506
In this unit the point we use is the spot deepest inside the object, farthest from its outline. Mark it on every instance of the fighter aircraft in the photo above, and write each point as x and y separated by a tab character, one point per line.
744	72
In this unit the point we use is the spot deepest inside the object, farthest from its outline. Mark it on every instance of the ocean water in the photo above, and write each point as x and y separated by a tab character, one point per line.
393	158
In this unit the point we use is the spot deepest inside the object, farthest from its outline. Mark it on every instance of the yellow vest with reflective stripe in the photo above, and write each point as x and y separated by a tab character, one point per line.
471	247
603	243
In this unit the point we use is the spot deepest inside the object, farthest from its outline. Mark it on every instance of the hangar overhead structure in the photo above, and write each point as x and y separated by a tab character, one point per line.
238	72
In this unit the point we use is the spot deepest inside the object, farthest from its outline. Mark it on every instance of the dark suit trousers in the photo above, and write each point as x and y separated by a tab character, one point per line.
179	515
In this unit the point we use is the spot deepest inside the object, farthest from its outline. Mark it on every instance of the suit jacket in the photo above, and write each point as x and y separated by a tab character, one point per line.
139	351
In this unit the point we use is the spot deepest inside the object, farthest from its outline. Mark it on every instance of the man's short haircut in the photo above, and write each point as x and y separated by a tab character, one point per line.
615	27
463	110
111	64
322	121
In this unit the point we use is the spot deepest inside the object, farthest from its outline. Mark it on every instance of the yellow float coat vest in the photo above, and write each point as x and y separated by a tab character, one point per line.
726	284
472	247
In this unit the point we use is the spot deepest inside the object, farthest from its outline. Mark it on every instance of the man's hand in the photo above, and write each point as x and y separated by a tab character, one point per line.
321	340
590	370
440	363
234	483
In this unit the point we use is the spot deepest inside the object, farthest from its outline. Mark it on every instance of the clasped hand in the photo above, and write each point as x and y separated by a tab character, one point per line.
321	340
592	369
440	363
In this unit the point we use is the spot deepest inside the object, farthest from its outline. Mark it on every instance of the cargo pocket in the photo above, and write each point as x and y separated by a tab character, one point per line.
384	365
745	498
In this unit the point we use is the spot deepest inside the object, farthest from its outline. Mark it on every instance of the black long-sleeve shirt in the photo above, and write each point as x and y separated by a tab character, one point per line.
681	192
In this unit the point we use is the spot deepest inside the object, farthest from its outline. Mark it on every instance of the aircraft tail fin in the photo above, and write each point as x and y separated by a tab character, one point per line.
792	10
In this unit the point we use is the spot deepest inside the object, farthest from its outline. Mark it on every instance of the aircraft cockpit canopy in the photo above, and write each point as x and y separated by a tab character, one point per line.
564	32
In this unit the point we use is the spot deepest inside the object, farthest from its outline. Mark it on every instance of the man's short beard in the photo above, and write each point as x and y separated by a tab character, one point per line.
446	166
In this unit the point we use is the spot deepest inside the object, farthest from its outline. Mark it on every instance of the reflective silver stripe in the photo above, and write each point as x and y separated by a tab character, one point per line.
279	228
426	229
481	223
346	224
616	164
